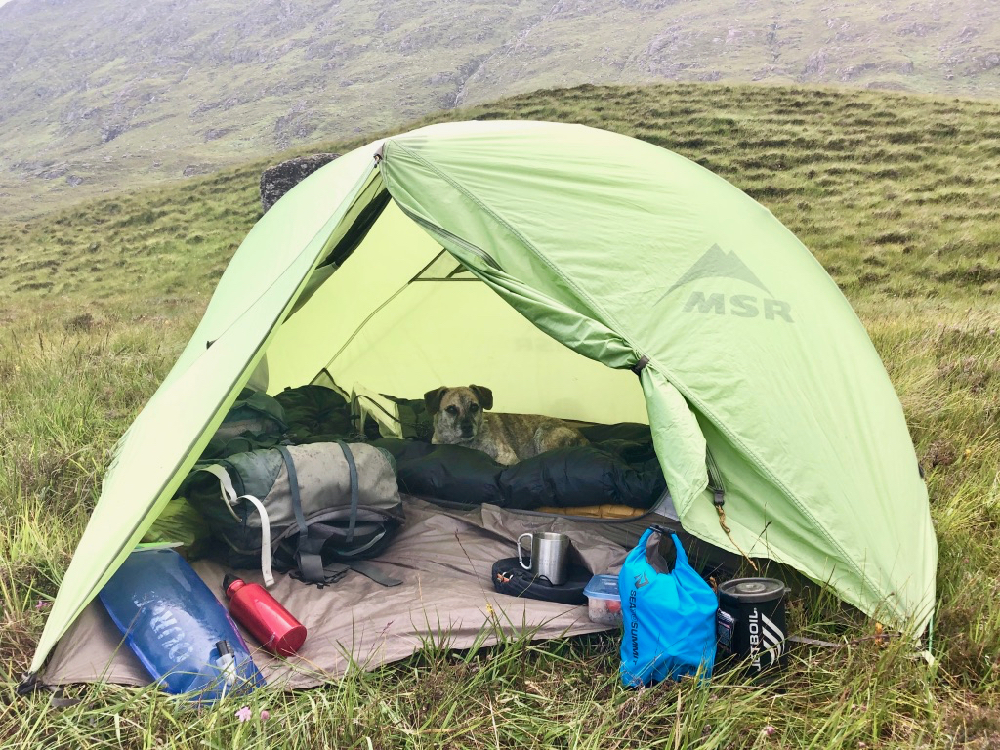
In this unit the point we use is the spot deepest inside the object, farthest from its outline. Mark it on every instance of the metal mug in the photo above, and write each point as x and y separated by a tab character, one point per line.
549	555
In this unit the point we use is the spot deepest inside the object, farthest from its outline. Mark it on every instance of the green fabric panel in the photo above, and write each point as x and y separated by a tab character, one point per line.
273	244
729	307
811	538
177	422
394	252
677	438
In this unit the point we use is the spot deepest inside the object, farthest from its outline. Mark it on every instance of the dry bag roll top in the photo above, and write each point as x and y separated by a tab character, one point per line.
668	615
312	509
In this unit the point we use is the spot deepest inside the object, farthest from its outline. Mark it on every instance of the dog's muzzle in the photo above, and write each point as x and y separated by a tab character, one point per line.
467	430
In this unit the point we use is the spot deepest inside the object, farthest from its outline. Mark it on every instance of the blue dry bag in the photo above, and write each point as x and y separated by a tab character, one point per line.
175	625
668	615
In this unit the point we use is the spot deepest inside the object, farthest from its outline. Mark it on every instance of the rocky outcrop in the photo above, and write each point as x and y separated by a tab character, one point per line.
279	179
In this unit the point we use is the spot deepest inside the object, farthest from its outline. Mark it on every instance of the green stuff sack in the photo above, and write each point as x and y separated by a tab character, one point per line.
180	522
255	420
314	412
253	412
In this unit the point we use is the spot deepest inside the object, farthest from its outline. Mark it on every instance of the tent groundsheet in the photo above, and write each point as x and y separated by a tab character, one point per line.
443	558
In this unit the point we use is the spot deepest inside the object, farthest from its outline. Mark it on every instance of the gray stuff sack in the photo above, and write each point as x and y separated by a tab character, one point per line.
315	510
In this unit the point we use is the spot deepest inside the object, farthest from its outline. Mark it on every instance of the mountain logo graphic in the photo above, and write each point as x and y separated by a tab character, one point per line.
717	263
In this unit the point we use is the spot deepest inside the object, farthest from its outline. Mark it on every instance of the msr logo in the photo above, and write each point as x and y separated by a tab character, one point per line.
740	305
717	263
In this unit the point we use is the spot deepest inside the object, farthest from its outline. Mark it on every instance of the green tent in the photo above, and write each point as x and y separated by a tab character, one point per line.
578	273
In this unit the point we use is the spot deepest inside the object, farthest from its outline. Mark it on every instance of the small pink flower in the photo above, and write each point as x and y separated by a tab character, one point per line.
42	604
265	714
767	731
244	714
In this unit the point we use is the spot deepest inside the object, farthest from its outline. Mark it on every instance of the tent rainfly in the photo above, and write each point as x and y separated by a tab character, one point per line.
555	263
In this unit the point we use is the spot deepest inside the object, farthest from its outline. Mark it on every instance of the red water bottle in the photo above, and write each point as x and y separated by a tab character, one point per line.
254	608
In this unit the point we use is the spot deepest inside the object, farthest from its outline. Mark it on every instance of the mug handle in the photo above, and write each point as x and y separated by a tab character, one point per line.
520	559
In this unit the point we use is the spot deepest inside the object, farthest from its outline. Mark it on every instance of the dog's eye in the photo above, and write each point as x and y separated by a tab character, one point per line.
474	408
453	410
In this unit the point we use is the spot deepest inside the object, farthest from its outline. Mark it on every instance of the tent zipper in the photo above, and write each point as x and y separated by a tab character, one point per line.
482	254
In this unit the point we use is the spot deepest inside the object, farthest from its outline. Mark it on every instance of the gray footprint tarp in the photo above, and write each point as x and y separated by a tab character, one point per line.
444	559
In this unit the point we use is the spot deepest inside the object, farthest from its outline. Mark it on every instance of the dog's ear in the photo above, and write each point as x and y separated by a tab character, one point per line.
432	399
485	396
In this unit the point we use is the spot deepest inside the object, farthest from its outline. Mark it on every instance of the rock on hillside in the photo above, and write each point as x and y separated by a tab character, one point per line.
279	179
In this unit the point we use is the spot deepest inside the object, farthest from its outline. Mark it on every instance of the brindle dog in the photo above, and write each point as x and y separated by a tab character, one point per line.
460	419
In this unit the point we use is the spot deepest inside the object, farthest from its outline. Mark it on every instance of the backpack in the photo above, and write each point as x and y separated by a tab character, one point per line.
314	510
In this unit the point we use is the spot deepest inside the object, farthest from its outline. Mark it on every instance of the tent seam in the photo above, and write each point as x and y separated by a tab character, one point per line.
617	330
524	241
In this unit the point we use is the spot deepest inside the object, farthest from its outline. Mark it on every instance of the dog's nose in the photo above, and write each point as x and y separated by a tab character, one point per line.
467	429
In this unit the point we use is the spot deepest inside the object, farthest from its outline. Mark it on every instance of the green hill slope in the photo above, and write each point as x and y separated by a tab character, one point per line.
102	94
896	195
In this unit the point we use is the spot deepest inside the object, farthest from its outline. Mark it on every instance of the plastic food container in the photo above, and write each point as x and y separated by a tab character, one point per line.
604	604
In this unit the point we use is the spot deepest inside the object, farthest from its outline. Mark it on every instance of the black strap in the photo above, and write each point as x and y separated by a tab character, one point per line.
715	481
365	535
375	573
335	571
307	555
639	366
353	469
29	683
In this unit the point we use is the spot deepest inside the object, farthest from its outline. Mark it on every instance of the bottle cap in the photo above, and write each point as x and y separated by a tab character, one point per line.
230	582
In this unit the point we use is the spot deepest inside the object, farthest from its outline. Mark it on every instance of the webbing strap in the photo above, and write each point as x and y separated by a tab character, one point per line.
307	555
374	572
353	469
265	523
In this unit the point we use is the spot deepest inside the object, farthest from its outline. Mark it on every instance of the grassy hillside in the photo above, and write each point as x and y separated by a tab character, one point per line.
896	197
105	94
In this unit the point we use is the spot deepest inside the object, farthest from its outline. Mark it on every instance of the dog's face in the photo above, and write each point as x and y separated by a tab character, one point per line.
458	412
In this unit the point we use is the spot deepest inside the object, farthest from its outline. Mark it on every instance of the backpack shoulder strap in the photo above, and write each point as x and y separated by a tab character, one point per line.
307	554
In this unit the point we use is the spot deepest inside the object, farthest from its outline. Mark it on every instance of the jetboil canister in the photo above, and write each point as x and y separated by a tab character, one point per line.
751	624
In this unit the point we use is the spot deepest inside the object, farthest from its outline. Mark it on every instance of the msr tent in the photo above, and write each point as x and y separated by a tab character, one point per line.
577	273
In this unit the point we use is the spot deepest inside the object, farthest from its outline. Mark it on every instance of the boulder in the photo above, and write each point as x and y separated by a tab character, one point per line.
279	179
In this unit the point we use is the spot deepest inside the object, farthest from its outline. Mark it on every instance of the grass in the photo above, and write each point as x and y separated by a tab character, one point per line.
894	194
